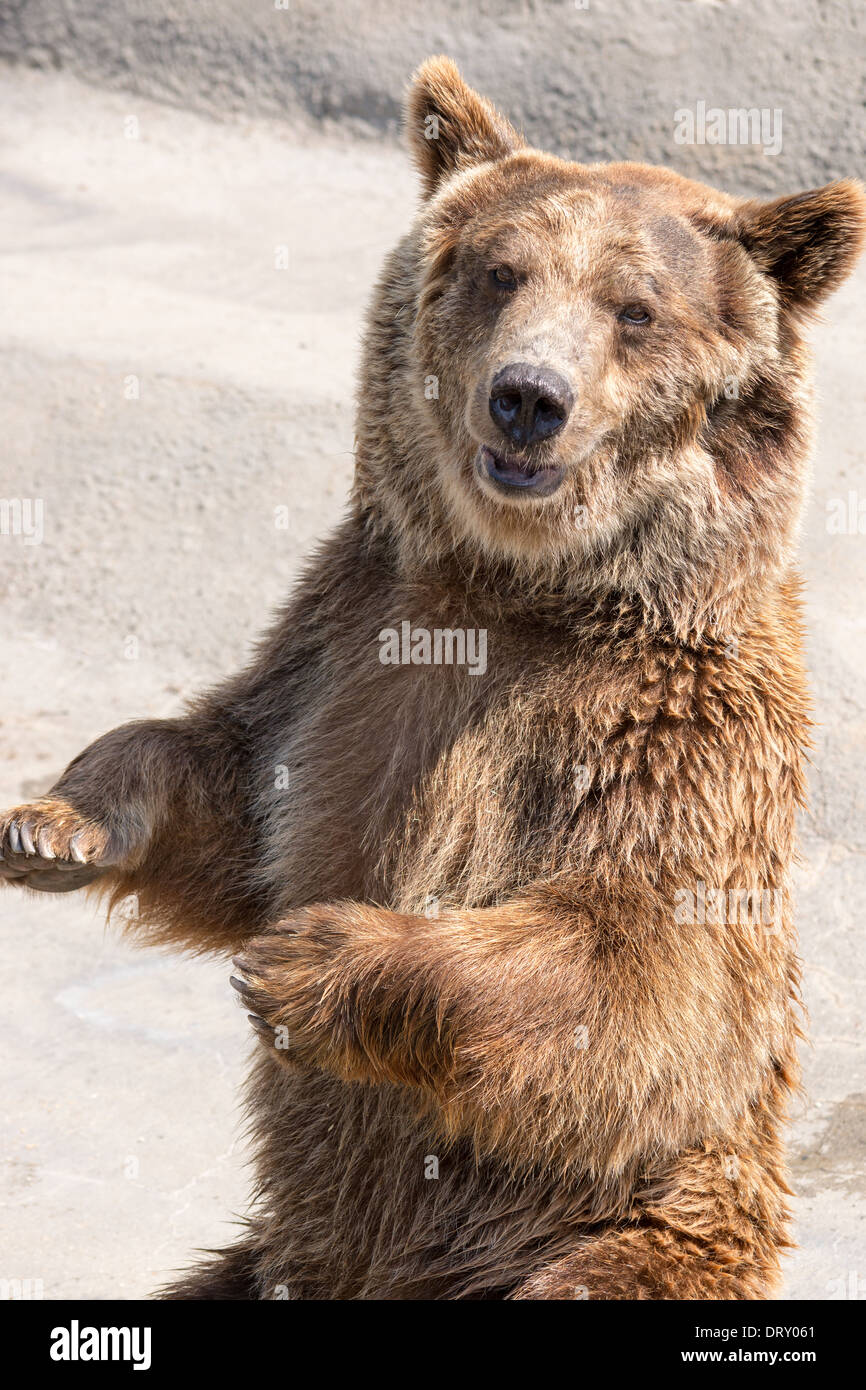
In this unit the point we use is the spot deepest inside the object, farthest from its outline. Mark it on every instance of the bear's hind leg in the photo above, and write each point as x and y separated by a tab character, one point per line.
711	1226
646	1262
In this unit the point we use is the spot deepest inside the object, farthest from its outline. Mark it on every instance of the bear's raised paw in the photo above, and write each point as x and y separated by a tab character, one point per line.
51	847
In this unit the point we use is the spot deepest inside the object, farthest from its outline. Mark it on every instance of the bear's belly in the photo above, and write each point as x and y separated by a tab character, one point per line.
361	1201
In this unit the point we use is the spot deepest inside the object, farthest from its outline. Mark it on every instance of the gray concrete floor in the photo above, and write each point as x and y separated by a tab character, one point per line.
122	1143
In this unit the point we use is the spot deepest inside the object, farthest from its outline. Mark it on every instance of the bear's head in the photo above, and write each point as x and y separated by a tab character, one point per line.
591	378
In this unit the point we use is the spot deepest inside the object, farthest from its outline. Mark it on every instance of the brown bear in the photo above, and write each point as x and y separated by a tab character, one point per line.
499	821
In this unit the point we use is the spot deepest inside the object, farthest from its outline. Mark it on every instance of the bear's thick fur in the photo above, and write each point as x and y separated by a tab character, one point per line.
521	920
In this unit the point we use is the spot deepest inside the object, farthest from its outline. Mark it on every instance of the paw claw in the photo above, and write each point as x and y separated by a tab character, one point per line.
27	839
75	849
14	838
44	846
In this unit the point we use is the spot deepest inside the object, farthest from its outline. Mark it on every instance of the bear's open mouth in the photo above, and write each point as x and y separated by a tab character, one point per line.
518	474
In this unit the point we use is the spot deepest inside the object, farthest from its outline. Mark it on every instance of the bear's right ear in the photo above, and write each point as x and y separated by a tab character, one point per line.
450	127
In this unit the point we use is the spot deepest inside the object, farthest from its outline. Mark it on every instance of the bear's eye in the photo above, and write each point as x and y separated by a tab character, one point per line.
634	313
504	277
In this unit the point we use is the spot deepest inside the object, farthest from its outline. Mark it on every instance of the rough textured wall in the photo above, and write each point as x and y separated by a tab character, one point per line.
601	82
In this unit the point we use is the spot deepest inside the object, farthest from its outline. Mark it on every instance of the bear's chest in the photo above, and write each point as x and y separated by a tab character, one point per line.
423	782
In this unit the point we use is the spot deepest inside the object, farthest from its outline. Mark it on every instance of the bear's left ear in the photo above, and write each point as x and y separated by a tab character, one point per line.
809	242
450	127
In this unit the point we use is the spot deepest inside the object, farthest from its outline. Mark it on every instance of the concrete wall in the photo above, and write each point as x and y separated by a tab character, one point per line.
601	82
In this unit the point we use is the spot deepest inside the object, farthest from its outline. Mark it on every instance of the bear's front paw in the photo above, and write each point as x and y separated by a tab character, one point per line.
290	980
49	846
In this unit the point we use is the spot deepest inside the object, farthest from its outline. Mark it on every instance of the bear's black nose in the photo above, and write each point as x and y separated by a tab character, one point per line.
529	403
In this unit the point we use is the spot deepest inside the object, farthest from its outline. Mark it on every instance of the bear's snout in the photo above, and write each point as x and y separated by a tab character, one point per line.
529	403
